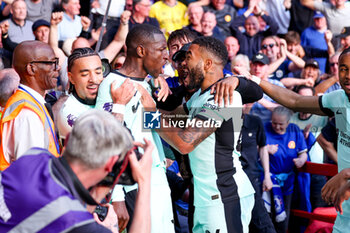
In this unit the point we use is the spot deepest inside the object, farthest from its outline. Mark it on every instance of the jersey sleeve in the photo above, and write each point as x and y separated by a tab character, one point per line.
211	110
104	99
332	101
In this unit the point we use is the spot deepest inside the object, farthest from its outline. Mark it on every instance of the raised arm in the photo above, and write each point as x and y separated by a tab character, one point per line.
56	18
119	39
308	3
323	86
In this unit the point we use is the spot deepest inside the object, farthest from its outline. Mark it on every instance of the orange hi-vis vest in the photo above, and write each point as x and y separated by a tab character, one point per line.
19	100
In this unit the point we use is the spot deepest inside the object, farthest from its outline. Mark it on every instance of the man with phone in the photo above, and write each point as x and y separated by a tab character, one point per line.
58	187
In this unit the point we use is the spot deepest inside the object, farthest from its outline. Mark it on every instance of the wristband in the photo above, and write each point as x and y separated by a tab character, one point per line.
118	108
256	79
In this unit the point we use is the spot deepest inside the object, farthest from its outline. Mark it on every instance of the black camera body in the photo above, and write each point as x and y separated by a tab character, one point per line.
125	177
101	212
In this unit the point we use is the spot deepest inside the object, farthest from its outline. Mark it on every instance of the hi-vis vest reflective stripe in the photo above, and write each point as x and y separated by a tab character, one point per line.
14	105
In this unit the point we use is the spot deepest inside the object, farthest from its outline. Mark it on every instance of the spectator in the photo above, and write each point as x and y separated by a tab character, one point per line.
259	67
109	52
250	40
176	40
232	47
333	104
344	38
310	76
140	13
72	24
146	53
332	81
224	15
9	81
311	125
99	8
195	14
276	50
209	28
338	15
19	28
30	124
40	28
84	164
300	17
287	149
171	15
313	36
254	144
40	9
279	11
240	60
328	141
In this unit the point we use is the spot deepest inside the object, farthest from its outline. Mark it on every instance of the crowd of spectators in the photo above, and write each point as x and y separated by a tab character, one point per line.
295	45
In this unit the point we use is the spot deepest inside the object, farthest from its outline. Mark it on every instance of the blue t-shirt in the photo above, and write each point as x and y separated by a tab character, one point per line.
290	145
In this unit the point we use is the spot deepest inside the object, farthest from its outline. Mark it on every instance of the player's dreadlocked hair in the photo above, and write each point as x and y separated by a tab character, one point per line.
79	53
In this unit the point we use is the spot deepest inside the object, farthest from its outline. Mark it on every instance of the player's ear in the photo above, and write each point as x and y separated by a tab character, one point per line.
70	78
140	50
208	63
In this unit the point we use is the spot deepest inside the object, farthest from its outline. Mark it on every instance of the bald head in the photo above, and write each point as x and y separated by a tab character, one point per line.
35	63
9	81
80	43
27	52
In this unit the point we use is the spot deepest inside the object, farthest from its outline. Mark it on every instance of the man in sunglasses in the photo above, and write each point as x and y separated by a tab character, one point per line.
58	187
26	122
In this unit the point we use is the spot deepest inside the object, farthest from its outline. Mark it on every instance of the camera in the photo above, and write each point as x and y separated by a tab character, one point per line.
122	170
101	212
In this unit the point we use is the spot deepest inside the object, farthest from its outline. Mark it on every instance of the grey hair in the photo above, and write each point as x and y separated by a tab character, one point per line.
243	58
9	81
96	136
280	110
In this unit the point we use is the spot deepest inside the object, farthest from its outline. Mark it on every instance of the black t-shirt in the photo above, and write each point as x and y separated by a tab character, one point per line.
253	136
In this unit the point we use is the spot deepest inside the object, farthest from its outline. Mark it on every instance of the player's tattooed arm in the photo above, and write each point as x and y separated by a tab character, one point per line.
185	139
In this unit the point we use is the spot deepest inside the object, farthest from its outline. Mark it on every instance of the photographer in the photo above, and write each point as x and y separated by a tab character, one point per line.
42	193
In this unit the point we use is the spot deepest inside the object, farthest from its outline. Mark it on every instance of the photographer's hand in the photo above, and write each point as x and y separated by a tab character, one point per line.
141	172
141	169
111	220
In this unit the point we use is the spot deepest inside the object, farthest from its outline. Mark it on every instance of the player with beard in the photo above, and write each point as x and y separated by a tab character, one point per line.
223	195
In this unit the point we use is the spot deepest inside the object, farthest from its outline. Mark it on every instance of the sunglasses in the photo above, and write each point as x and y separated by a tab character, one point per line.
268	45
48	62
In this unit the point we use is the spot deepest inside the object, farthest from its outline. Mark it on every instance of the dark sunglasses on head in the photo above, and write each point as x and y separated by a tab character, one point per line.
268	45
48	62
